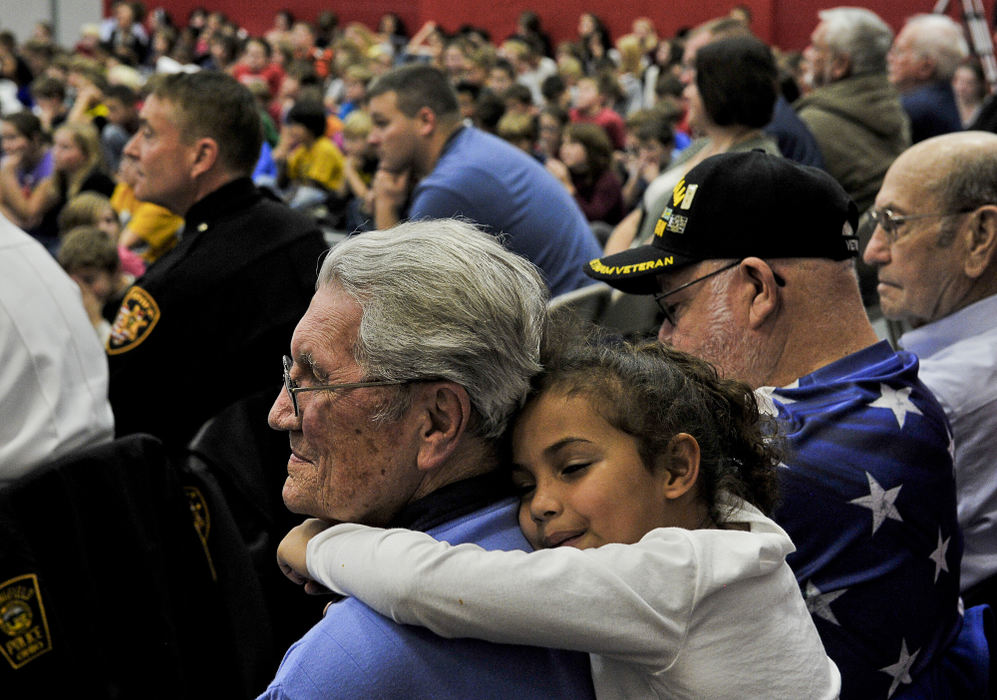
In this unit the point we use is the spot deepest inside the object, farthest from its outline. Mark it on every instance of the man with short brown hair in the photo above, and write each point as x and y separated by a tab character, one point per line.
197	331
433	166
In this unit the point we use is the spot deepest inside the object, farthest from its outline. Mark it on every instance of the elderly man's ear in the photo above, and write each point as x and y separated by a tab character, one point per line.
443	409
760	291
982	241
841	67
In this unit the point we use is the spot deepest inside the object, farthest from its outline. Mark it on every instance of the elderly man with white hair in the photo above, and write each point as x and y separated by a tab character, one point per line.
416	349
921	62
853	111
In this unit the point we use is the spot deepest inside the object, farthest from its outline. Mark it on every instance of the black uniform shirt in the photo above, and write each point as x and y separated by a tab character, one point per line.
208	322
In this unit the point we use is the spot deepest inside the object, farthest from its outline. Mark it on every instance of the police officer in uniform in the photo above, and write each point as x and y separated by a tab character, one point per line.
208	323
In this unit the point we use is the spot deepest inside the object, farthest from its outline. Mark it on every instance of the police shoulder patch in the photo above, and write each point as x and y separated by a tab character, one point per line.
138	315
24	634
201	518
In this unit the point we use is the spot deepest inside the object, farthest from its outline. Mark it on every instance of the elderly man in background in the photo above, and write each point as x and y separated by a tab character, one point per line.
404	371
934	247
432	166
853	111
922	62
752	260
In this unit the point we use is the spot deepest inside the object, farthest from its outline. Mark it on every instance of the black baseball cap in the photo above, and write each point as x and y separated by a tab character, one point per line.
736	205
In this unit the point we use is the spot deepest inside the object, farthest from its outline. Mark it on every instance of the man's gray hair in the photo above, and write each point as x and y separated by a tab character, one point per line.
441	299
940	38
859	34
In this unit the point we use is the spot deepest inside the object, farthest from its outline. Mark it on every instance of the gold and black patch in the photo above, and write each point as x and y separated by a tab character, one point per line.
201	517
138	315
24	634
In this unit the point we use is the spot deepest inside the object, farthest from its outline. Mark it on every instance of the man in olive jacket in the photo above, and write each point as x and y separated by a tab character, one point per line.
853	111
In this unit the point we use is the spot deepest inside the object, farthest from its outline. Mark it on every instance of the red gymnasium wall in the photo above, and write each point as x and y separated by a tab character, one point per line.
783	23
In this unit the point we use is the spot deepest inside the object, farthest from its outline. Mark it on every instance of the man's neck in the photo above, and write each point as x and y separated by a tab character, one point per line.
471	458
437	144
816	343
981	288
204	186
908	88
453	501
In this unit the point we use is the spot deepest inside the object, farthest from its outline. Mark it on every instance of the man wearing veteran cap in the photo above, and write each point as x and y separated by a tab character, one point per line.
752	265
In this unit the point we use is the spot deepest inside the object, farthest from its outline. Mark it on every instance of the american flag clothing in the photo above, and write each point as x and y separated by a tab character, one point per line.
868	498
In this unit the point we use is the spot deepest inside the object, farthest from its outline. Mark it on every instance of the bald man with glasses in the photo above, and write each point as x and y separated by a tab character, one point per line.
934	249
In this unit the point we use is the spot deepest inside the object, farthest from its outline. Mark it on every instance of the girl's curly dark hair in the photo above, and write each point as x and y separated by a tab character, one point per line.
653	392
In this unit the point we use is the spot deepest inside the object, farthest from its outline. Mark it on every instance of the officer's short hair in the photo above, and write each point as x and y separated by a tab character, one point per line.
211	104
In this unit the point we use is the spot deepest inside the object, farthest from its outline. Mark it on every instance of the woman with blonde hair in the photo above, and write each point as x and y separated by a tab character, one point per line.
629	73
79	161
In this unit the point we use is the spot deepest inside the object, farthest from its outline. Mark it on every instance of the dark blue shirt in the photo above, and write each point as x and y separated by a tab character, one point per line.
932	111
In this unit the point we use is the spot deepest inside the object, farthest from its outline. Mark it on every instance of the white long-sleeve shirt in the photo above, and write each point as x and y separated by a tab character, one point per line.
680	614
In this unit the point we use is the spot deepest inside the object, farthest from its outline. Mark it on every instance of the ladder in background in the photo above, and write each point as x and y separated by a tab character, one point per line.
981	42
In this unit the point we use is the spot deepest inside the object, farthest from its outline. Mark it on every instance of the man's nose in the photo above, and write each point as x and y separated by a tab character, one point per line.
281	416
131	148
877	251
665	333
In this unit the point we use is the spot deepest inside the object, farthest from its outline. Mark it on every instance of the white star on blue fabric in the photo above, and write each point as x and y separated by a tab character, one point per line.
938	556
880	502
819	604
900	671
898	401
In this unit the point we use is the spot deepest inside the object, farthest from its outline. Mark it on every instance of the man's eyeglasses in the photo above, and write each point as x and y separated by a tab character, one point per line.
669	309
293	388
890	221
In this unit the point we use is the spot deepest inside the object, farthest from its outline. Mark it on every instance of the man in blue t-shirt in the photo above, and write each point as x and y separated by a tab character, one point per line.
433	166
752	266
395	399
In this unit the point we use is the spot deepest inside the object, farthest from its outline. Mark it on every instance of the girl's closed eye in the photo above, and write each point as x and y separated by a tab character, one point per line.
576	468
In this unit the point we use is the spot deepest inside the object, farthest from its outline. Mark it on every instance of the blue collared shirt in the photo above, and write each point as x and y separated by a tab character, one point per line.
959	364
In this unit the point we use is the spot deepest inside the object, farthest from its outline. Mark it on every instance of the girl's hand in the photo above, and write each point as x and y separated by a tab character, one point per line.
292	550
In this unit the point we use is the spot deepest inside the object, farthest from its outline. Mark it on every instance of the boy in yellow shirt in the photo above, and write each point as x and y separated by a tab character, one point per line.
311	166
